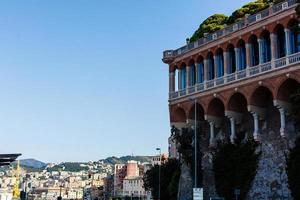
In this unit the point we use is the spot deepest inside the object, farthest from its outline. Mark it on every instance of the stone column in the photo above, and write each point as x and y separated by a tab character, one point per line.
237	58
273	38
256	126
260	49
282	122
287	41
212	133
188	76
232	128
171	82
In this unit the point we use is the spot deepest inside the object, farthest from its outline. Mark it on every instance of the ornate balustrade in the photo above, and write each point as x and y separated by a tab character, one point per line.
273	10
239	75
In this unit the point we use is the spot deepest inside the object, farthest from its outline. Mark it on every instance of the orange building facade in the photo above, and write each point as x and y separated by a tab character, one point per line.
238	80
236	71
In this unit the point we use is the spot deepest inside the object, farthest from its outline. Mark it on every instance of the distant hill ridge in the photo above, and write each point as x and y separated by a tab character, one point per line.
32	163
122	160
36	164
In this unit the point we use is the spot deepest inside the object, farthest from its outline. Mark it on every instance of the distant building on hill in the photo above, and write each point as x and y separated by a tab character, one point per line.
158	159
119	175
128	179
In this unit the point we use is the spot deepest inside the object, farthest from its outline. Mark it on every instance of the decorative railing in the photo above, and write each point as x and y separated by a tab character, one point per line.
239	75
273	10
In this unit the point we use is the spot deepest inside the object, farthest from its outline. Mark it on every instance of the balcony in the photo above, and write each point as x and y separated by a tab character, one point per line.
169	55
238	76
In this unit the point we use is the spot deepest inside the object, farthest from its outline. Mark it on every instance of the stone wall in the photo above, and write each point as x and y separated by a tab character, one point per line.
271	181
208	176
185	183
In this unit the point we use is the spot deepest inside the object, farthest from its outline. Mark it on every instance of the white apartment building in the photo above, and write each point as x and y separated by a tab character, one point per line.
5	194
134	186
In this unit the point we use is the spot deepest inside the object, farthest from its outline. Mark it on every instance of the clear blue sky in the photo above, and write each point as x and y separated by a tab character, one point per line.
82	80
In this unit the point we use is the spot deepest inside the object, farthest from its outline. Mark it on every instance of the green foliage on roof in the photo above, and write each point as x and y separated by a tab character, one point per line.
210	25
249	8
218	21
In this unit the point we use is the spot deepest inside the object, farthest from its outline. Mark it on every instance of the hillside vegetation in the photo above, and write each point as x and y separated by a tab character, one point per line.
218	21
115	160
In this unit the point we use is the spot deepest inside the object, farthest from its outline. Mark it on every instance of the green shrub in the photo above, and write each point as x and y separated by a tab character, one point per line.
235	167
184	139
170	173
293	170
295	102
293	162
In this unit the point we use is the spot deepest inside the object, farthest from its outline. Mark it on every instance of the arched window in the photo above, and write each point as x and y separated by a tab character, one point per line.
211	66
176	79
266	47
192	75
220	63
254	50
182	77
294	36
231	59
241	55
200	70
281	51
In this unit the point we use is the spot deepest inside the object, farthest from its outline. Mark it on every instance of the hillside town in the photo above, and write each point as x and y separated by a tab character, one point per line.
89	181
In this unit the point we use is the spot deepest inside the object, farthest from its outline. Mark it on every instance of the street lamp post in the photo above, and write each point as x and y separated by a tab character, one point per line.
195	142
159	168
195	135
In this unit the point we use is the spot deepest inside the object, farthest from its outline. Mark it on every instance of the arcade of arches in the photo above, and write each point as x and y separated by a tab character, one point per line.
271	43
250	109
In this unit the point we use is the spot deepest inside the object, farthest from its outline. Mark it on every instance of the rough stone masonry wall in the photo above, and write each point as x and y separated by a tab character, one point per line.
185	183
271	181
208	176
